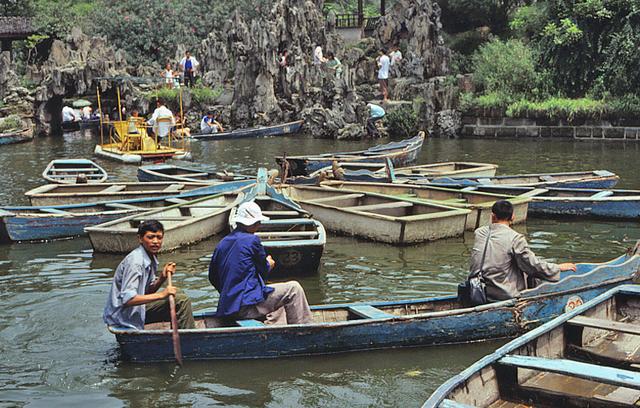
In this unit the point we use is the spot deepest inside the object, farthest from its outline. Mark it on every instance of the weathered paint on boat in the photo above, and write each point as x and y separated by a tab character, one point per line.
282	129
400	153
587	355
582	179
184	224
377	325
478	203
168	172
66	171
379	217
19	136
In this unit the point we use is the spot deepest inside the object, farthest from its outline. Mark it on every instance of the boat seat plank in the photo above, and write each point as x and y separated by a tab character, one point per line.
533	193
548	178
177	218
289	221
65	169
337	197
194	175
602	194
605	324
591	372
470	188
394	204
114	188
250	323
176	200
282	213
174	187
122	206
370	312
205	206
286	233
54	211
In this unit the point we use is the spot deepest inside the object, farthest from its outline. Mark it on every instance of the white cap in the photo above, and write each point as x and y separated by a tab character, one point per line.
249	213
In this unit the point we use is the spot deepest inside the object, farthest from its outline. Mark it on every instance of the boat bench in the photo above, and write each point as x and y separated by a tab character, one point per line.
603	324
176	200
602	194
280	213
286	233
54	211
250	323
287	221
607	375
122	206
382	206
69	169
336	198
369	312
113	189
174	187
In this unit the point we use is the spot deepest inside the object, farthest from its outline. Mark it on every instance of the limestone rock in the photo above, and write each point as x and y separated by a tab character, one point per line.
448	123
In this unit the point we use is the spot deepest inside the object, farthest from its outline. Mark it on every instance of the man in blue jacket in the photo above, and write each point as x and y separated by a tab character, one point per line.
238	270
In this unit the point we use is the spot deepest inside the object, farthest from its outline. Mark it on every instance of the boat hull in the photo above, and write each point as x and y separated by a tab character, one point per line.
276	130
602	208
17	137
492	321
131	158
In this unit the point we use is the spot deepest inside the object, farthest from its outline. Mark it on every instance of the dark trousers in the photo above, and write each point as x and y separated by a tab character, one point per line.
372	130
189	79
158	311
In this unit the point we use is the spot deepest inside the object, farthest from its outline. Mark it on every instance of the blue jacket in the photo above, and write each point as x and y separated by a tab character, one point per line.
237	270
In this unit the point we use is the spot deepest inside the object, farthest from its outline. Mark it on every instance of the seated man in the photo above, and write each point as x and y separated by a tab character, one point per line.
209	124
162	119
508	261
238	270
135	298
69	114
376	113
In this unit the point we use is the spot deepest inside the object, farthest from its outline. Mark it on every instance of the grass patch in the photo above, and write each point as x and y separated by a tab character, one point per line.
10	123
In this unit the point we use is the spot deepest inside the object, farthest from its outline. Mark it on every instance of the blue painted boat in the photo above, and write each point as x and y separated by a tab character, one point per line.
18	136
400	153
282	129
587	357
577	179
570	202
294	240
377	325
169	172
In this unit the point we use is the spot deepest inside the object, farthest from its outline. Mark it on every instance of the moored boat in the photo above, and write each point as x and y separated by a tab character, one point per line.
588	357
479	203
281	129
184	223
16	136
169	172
379	217
294	240
71	171
401	154
577	179
376	325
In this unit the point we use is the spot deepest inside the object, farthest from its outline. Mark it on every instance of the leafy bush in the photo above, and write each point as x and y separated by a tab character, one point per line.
625	106
200	95
493	100
559	108
527	20
11	122
204	95
402	121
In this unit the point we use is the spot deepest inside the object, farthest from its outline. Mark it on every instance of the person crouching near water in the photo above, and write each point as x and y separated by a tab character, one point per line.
238	270
135	298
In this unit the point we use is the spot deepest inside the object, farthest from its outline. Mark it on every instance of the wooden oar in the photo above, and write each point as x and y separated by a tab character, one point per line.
177	351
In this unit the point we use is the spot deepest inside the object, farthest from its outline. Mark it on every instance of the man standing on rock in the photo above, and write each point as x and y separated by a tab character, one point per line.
383	74
188	65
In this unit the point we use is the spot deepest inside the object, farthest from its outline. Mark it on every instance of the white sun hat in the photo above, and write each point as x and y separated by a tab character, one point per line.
249	213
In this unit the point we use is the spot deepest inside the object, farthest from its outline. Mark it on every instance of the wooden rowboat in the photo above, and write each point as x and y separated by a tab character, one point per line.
70	171
379	217
62	194
587	357
578	179
260	131
168	172
185	223
572	202
376	325
400	153
478	202
294	240
16	136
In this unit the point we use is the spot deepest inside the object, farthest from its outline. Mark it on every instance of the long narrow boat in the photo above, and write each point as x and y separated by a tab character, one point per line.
400	153
70	171
378	325
578	179
587	357
282	129
62	194
169	172
294	240
478	202
16	136
185	223
571	202
379	217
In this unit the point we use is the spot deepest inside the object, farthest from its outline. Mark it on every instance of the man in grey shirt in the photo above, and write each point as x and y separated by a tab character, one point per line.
508	260
134	298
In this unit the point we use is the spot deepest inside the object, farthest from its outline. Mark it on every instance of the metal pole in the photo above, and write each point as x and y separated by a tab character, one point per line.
100	110
119	107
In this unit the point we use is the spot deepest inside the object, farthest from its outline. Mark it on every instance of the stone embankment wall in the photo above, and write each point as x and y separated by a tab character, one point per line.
498	126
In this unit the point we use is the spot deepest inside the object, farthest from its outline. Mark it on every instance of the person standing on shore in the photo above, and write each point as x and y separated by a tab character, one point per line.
383	74
188	65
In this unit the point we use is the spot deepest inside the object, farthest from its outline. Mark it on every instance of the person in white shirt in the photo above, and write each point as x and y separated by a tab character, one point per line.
396	57
69	114
86	112
383	74
167	74
318	58
161	112
188	65
209	124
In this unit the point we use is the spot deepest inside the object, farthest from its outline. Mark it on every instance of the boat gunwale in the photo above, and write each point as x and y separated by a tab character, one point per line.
228	135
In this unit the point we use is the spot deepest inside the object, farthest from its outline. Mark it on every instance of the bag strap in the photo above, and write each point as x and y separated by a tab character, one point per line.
484	253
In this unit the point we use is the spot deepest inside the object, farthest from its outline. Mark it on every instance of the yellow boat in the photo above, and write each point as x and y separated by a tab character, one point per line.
128	141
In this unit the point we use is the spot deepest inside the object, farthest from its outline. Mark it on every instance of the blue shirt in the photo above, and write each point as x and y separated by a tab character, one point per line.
237	270
133	277
188	64
376	111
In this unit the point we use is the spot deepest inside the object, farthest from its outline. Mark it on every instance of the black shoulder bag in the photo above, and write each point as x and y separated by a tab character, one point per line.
472	291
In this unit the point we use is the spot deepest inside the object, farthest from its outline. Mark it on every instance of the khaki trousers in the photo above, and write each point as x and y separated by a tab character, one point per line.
287	304
158	311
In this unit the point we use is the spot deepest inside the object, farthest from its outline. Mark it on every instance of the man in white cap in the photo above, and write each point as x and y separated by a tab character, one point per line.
238	270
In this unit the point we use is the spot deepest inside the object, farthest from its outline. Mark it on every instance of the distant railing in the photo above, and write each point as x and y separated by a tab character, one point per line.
354	20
